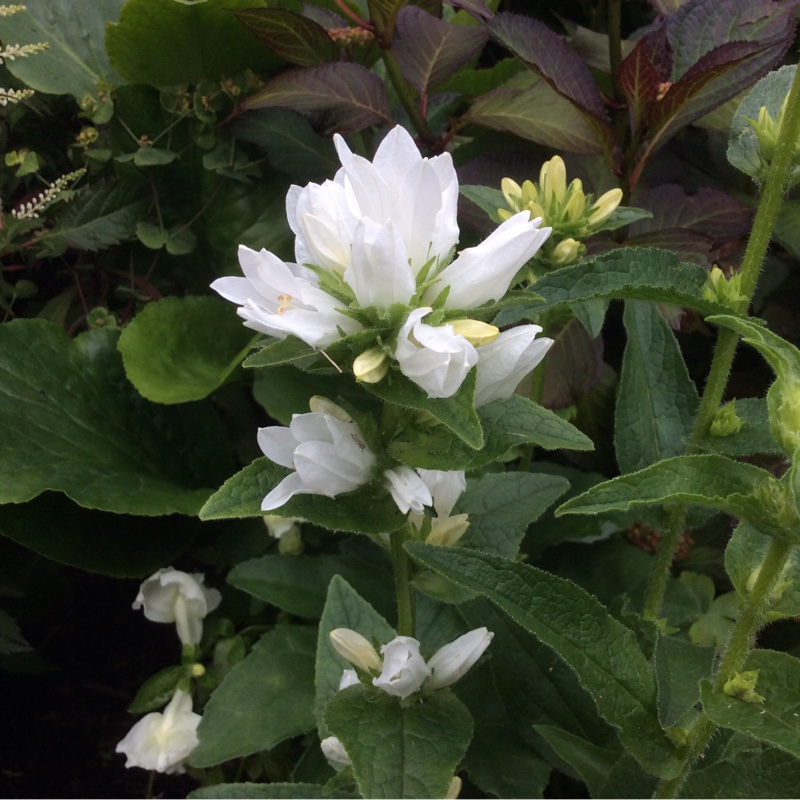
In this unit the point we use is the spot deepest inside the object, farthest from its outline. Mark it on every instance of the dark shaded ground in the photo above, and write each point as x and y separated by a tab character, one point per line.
59	728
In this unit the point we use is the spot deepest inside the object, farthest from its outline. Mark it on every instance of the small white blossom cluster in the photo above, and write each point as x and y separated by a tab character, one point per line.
14	51
8	10
14	95
32	208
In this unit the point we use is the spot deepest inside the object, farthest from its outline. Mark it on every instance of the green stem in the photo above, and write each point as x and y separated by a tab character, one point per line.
402	581
406	96
768	207
742	638
665	555
615	46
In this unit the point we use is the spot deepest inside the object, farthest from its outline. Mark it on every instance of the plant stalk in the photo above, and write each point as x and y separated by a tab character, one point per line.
665	555
402	581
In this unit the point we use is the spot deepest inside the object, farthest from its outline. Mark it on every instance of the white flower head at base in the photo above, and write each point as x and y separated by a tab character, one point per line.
328	455
281	299
170	595
435	358
162	741
334	751
404	669
451	662
445	486
504	362
408	490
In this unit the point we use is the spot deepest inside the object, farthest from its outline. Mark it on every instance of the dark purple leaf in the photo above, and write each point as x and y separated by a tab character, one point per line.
293	37
383	13
572	367
549	55
340	97
430	50
690	245
643	72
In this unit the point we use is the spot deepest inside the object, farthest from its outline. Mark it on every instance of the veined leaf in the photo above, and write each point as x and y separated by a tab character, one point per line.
342	96
782	356
266	791
601	650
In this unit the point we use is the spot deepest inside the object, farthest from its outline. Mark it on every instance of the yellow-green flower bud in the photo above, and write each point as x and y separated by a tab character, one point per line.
448	531
783	403
719	289
371	366
576	204
726	422
553	181
512	192
565	252
604	207
742	686
356	649
454	789
475	332
321	405
198	670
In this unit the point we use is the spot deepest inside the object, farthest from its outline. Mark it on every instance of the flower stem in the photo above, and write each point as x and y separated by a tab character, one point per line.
402	581
768	207
742	638
665	555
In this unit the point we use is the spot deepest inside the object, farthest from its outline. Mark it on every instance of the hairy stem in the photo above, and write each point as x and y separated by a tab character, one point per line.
402	581
665	555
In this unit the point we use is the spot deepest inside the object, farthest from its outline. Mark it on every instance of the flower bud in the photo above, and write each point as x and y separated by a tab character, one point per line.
553	181
334	751
604	207
321	405
198	670
371	366
726	423
512	192
454	790
452	661
353	647
576	204
565	252
475	332
742	686
785	413
447	531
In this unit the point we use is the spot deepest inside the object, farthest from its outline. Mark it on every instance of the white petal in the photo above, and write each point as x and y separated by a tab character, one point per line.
404	669
334	751
278	444
407	489
349	678
446	486
452	661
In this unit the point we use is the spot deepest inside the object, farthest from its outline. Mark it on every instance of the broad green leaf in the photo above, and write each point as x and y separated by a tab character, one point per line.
742	490
680	666
514	108
280	351
489	199
628	779
752	438
183	348
656	400
71	422
157	690
767	773
591	762
75	61
265	791
292	36
341	96
603	652
98	218
344	608
777	719
505	423
501	506
299	584
120	545
262	701
745	553
369	509
398	750
168	44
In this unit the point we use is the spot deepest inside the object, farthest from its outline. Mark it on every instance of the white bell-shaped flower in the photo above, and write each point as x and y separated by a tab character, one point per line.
445	486
170	595
452	661
328	455
408	490
404	669
163	740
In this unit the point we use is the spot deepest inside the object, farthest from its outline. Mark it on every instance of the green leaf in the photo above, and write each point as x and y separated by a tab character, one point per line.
634	273
98	218
714	627
280	351
369	509
752	438
502	505
767	773
603	653
680	666
71	422
457	412
344	608
263	701
738	489
299	584
157	690
777	719
75	61
489	199
656	400
152	236
153	157
168	44
628	779
400	751
506	424
183	348
265	791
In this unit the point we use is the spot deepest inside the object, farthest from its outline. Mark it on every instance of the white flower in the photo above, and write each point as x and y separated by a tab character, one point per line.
163	741
445	486
334	751
435	358
279	527
452	661
356	649
328	454
280	299
506	361
404	669
485	272
170	595
349	678
408	490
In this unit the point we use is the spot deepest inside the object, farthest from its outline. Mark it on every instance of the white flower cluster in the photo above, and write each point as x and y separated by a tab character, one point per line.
32	208
380	237
14	51
14	95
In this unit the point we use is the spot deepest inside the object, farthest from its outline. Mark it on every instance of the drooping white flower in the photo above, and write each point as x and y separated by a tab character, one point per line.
170	595
435	358
506	361
356	649
334	751
404	669
408	490
452	661
163	740
329	456
445	486
280	299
